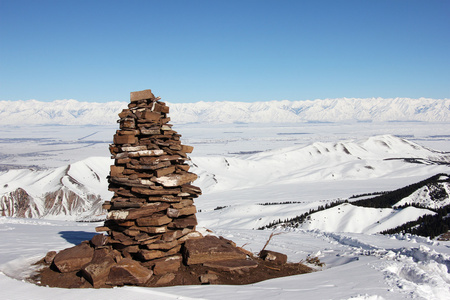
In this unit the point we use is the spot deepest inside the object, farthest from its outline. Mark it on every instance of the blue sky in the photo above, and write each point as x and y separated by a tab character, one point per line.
189	51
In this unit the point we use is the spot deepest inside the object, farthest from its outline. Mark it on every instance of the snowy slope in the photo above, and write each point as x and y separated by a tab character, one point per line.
379	156
350	218
313	173
72	112
431	196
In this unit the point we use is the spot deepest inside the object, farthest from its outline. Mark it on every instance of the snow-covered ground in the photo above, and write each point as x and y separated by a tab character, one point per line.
358	263
358	266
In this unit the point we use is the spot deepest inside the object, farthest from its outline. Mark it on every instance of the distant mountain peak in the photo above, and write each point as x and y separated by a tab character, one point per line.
72	112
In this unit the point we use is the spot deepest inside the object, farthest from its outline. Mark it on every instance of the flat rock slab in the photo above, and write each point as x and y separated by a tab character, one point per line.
128	271
232	265
74	258
97	271
210	249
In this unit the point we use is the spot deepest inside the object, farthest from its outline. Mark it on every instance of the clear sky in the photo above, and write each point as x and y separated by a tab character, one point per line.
192	50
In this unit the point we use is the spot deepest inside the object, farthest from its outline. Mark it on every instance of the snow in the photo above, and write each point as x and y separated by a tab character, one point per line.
350	218
422	197
308	170
358	266
86	178
72	112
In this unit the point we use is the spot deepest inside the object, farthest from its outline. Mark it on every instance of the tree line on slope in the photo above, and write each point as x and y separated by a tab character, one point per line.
389	199
427	225
297	220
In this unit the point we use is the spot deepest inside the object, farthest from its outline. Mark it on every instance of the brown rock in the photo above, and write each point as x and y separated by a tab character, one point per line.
142	237
165	198
189	210
141	95
232	265
154	220
187	149
190	236
74	258
127	123
160	107
116	171
142	153
125	204
128	271
165	279
153	254
128	223
99	240
189	221
273	256
119	237
173	212
209	249
132	182
125	113
162	245
191	189
182	203
165	171
97	271
133	148
165	265
131	232
132	214
174	180
183	167
124	139
208	278
151	192
151	116
152	167
175	234
49	257
101	228
149	131
131	249
153	230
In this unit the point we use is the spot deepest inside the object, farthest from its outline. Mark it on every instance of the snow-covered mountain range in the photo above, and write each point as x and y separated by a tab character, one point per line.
77	190
72	112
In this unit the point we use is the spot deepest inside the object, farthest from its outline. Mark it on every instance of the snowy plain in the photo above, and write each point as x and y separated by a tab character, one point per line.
358	265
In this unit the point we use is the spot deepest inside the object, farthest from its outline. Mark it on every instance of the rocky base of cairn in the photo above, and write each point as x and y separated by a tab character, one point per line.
207	260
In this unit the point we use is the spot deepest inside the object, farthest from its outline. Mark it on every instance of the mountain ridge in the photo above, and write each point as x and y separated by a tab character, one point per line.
77	191
73	112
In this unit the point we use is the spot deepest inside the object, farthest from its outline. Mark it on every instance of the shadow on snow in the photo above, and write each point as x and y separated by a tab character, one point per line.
76	237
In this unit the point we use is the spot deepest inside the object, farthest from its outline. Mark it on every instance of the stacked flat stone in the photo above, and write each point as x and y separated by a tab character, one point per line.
152	212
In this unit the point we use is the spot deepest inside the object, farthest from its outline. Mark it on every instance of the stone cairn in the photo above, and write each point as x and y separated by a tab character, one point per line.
152	211
151	217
